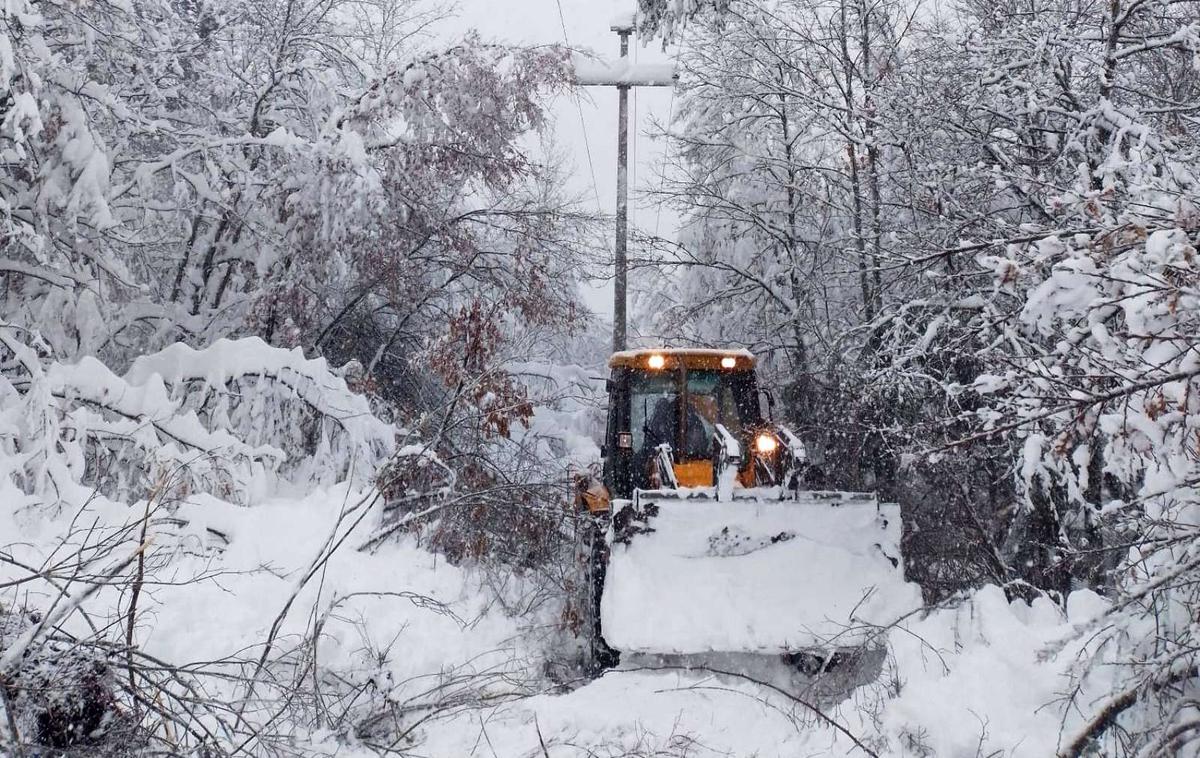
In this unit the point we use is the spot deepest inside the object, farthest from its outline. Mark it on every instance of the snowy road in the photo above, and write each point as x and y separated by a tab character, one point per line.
409	657
985	656
646	713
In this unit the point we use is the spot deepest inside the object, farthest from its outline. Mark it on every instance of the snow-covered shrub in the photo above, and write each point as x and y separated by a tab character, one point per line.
274	398
235	420
1106	397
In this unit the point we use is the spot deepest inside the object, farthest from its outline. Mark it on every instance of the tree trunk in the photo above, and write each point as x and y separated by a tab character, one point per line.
860	243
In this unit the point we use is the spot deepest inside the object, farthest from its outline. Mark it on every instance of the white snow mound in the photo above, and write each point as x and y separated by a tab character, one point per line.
758	576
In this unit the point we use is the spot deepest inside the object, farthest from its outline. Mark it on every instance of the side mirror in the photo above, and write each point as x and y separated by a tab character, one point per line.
604	451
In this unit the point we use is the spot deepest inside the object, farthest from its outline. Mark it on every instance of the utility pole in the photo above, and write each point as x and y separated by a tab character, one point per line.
622	75
621	241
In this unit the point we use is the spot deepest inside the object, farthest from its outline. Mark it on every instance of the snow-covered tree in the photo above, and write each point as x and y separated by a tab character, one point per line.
1037	186
295	169
776	168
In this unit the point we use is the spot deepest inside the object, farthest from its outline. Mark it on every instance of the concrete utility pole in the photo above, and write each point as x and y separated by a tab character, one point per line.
622	75
621	241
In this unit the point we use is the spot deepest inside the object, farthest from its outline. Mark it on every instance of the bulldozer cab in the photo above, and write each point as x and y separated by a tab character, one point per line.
677	398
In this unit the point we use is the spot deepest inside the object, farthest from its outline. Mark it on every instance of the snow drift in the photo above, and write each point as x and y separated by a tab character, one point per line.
983	677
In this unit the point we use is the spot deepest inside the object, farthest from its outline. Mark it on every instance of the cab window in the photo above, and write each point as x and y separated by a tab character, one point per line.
713	397
652	403
717	398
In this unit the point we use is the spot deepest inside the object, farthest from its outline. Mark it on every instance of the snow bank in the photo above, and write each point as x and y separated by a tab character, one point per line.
389	598
976	679
981	678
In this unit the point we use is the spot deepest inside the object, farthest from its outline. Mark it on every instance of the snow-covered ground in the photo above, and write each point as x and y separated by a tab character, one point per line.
271	602
399	595
978	678
965	681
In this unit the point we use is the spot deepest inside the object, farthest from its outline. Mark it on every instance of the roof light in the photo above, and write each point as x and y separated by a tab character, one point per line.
766	443
656	361
728	362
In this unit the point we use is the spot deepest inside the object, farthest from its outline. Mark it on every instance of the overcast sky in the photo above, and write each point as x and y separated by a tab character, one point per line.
587	26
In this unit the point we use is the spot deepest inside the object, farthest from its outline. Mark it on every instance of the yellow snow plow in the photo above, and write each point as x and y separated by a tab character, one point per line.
708	546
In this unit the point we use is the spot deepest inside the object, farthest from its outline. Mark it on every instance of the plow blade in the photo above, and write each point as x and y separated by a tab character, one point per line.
688	574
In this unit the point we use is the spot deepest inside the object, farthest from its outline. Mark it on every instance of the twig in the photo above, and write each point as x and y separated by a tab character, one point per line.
12	657
541	740
134	592
1116	705
12	720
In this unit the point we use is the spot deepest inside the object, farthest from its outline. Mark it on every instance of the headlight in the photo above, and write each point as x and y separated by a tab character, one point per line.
766	443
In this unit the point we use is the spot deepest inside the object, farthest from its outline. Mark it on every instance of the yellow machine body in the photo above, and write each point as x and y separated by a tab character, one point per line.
709	389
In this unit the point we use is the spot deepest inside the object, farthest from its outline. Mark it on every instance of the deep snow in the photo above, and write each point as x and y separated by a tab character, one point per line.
960	680
963	681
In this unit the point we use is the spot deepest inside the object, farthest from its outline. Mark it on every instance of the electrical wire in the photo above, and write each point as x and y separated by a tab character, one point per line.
587	144
633	163
662	179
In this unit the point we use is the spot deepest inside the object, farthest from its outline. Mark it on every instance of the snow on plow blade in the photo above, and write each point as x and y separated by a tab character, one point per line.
690	575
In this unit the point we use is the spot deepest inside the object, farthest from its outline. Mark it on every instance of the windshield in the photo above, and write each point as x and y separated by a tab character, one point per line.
713	397
653	397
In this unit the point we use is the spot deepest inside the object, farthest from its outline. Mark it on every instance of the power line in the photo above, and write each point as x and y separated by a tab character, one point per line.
632	163
587	145
662	179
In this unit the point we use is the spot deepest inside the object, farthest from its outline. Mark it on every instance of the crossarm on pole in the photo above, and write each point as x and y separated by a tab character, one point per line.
624	73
